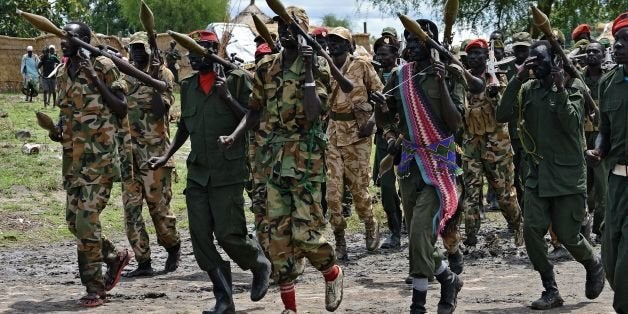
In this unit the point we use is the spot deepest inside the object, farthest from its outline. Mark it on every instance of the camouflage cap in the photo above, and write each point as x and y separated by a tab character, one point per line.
299	15
342	33
498	43
463	45
605	42
391	31
522	39
140	38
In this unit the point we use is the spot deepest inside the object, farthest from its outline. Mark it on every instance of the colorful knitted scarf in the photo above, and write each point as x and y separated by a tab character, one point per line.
433	148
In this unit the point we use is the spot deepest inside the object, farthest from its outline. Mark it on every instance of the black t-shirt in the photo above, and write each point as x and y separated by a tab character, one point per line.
48	63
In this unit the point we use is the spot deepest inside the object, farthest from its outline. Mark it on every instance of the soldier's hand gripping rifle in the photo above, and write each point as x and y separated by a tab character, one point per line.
451	11
541	21
43	24
263	31
158	107
345	84
188	43
491	65
476	85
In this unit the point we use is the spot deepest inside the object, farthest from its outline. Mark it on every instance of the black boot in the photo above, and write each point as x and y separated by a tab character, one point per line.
550	298
223	292
261	275
450	285
595	278
418	302
174	256
144	269
456	262
392	242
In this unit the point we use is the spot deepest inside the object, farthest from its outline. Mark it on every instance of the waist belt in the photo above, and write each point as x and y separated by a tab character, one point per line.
345	116
620	170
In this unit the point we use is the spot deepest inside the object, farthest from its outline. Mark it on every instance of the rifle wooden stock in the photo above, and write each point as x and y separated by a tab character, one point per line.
541	21
476	85
345	84
188	43
263	31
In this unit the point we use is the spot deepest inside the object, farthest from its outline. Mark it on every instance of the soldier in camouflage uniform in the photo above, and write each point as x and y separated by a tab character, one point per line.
487	150
91	102
289	95
350	142
148	125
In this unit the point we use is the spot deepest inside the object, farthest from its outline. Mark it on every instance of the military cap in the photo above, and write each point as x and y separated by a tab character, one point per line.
342	33
620	22
140	38
463	45
580	30
605	42
203	35
498	43
521	39
299	15
390	31
476	43
386	41
320	31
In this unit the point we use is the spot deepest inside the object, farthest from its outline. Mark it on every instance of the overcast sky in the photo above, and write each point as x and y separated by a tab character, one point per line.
356	13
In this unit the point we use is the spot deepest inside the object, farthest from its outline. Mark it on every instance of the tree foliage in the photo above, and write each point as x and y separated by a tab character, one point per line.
181	16
14	25
106	17
513	15
331	20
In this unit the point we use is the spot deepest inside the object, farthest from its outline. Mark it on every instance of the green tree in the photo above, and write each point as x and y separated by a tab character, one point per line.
181	16
73	10
514	15
331	20
106	17
15	26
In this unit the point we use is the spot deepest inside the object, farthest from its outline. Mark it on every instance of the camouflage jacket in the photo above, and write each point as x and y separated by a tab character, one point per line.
88	126
593	86
150	135
479	114
342	132
292	146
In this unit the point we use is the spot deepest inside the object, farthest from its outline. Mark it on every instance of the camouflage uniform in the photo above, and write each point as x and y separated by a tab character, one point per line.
487	150
292	155
88	130
348	156
149	136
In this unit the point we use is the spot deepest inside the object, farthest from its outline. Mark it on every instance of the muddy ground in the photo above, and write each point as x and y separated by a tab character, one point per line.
498	279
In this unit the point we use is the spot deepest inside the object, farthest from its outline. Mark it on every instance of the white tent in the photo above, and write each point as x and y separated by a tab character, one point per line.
241	41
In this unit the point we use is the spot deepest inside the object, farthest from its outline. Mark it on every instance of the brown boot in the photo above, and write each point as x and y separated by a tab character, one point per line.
341	245
372	234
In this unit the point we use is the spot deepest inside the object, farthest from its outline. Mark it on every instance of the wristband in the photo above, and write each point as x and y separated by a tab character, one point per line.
312	84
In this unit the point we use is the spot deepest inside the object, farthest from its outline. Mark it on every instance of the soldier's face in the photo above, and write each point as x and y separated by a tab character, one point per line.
521	53
139	54
286	37
67	47
620	47
321	40
416	49
542	65
198	62
476	58
337	45
385	56
595	54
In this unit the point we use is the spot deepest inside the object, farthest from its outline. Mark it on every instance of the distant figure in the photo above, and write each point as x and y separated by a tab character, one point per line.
49	62
172	56
28	68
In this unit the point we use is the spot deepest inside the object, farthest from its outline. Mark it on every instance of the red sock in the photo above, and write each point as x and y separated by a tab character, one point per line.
288	296
331	273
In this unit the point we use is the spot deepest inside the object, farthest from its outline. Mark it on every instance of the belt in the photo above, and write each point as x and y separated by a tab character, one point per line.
620	170
344	116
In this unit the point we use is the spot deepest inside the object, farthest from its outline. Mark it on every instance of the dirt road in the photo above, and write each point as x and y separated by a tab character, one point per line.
498	279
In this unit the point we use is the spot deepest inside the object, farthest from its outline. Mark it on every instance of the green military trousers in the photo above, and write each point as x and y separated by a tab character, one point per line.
219	212
565	214
615	241
420	203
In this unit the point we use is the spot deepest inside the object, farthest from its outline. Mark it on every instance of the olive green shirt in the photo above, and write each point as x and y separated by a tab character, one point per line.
613	97
206	117
552	134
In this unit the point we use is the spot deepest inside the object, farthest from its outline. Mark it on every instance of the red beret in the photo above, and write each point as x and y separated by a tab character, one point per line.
476	43
620	22
203	35
263	49
579	30
320	31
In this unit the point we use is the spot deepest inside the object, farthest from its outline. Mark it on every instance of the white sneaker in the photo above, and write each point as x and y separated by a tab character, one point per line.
333	292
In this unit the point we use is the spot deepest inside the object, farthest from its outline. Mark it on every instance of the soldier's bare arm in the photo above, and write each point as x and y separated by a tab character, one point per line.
450	114
311	102
180	137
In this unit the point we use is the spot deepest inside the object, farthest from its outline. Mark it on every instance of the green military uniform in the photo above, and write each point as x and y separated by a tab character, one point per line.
613	96
293	156
551	130
419	200
597	177
88	130
215	183
149	136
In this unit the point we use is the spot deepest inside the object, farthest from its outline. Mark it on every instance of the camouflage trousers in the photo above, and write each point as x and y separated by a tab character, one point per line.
154	186
295	227
490	155
83	207
350	163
